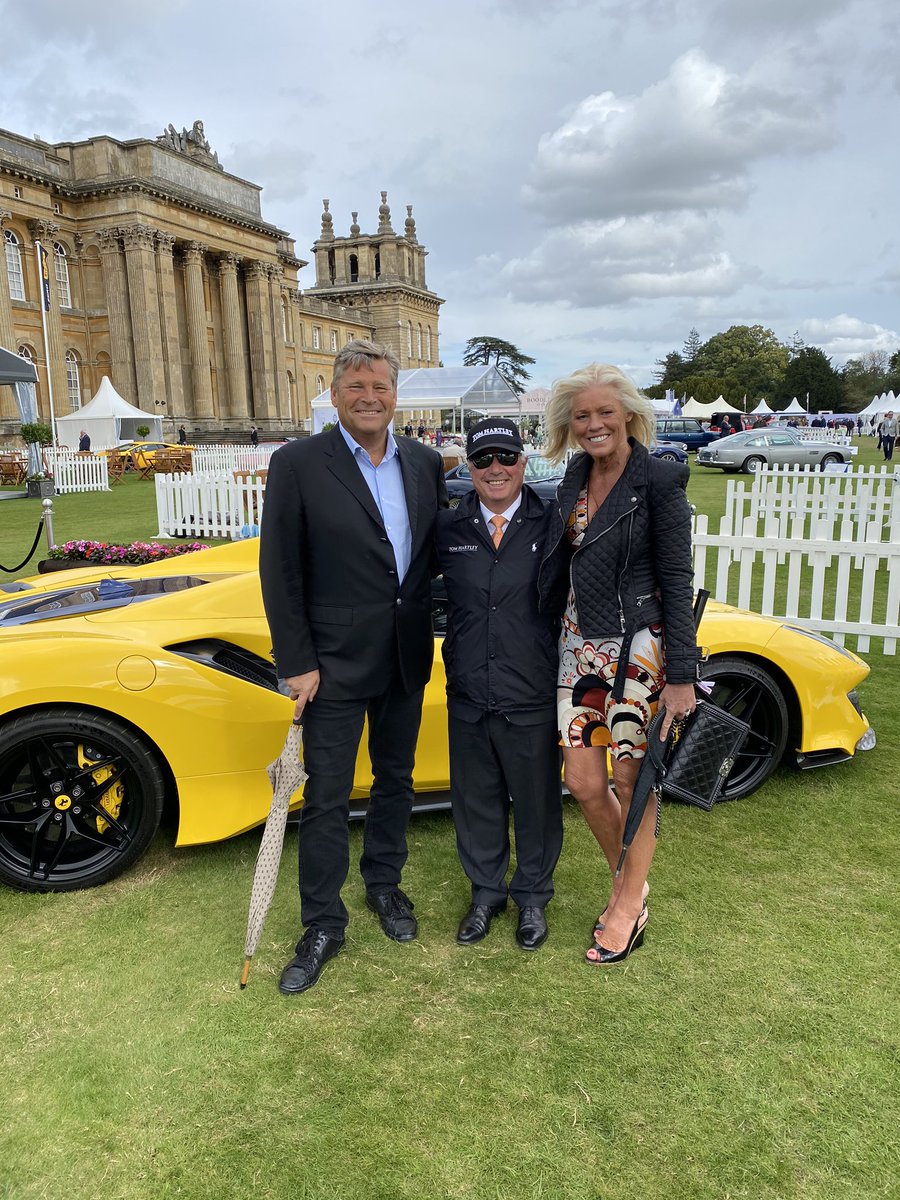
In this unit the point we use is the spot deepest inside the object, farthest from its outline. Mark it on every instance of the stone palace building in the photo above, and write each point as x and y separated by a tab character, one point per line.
164	276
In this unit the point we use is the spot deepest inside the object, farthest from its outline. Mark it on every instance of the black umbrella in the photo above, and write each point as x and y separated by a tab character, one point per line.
654	760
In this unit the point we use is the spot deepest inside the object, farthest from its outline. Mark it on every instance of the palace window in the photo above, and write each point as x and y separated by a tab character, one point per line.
409	338
14	265
17	193
62	276
377	263
419	342
428	340
73	381
284	320
320	384
354	269
350	336
317	338
334	340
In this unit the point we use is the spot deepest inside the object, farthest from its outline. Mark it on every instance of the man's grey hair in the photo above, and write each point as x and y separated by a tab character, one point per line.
361	353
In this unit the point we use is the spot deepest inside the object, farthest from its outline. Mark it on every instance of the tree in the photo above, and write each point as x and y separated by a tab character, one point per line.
865	377
750	357
691	347
810	373
507	358
671	370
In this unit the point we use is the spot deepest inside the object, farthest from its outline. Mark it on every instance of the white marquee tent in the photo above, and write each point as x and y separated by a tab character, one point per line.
794	409
886	402
108	419
425	389
762	409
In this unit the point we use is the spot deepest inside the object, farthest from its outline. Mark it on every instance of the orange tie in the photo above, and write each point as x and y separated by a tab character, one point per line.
499	524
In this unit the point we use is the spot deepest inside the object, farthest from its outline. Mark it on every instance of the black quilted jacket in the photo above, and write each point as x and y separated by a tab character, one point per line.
633	568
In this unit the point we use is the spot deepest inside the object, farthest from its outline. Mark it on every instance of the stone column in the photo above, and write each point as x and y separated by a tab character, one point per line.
198	337
233	337
168	319
9	410
140	265
45	232
116	287
259	320
282	396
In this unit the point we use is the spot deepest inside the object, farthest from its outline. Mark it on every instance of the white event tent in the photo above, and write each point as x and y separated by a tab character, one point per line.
886	402
762	409
794	409
423	389
108	419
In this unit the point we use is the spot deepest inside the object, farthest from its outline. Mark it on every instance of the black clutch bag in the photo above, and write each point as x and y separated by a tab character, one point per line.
697	757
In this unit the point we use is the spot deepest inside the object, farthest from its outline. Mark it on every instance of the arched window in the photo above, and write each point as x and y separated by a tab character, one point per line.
409	338
419	342
62	276
284	320
428	340
377	263
320	384
14	265
354	269
73	381
27	353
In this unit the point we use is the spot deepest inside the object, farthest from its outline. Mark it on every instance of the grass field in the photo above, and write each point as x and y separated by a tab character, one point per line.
748	1050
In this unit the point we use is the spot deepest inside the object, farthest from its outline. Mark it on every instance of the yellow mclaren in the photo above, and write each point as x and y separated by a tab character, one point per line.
126	689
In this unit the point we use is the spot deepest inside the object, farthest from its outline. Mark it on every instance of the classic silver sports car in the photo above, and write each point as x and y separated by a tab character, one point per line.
755	448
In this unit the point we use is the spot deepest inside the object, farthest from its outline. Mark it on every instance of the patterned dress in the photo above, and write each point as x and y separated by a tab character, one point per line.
588	716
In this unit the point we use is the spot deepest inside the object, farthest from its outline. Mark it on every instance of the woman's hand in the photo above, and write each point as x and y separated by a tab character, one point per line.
677	699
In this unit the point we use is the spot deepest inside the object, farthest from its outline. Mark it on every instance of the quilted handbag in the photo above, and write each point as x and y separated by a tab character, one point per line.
698	755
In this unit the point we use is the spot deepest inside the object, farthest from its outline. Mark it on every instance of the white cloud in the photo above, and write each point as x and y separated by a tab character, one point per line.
844	336
687	141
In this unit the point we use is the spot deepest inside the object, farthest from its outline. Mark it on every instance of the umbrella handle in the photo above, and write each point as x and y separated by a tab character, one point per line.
245	973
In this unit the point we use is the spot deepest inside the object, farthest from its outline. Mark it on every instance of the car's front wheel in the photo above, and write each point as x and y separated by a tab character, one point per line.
750	693
668	456
81	797
753	464
830	458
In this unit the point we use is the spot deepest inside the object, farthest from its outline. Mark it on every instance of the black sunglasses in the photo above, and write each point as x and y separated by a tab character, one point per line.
506	458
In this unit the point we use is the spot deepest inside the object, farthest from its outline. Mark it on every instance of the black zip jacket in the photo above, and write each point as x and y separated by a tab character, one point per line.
500	653
633	568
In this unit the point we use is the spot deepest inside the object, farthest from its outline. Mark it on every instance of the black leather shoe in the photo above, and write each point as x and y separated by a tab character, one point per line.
313	951
394	910
476	923
532	929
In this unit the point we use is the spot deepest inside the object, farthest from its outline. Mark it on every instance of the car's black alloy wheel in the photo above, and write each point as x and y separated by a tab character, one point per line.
753	695
81	797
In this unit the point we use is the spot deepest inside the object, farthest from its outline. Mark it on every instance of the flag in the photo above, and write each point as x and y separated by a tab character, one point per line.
676	411
45	275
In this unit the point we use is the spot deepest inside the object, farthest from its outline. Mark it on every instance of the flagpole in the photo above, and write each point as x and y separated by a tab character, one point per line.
44	283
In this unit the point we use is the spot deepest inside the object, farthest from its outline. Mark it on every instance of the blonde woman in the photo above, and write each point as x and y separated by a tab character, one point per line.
618	571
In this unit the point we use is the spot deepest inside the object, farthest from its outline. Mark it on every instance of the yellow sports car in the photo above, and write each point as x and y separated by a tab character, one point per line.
124	689
141	454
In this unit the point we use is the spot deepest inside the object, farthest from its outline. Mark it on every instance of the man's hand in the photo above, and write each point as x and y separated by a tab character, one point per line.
303	689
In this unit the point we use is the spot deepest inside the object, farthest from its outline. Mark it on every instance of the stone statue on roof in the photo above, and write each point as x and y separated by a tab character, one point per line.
191	142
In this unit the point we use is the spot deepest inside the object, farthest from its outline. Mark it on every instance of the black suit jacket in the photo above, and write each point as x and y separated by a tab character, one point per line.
328	574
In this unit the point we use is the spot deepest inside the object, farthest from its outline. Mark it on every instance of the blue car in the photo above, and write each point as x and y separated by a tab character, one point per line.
684	431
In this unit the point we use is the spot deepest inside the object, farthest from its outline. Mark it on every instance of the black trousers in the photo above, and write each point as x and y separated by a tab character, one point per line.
332	730
495	765
887	444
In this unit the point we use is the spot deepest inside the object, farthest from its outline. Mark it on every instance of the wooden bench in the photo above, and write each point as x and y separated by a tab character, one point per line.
13	469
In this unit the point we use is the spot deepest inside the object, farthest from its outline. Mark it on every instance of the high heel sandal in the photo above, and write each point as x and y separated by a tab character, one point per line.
599	956
600	925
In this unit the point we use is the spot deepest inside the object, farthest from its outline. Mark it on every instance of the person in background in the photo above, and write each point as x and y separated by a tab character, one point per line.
618	570
346	561
254	436
725	427
84	441
182	436
888	435
501	661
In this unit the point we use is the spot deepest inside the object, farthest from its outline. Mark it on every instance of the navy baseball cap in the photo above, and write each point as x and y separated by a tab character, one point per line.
493	433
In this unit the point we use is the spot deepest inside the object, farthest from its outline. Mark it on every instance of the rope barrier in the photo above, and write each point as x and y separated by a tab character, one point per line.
28	557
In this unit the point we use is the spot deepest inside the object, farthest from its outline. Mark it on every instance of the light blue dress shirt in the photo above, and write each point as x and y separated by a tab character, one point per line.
385	482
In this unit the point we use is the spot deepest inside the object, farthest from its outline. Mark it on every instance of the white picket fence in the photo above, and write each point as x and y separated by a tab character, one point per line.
819	550
805	503
840	437
208	504
74	472
213	460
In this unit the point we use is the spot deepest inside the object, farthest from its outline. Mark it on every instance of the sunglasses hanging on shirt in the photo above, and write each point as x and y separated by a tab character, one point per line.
506	458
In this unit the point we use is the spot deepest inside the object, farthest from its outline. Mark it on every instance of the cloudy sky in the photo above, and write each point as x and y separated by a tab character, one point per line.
591	179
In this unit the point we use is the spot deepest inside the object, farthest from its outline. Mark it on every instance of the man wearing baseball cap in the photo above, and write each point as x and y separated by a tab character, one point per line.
501	660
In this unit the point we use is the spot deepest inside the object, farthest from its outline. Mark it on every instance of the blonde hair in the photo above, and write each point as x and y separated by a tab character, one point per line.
558	413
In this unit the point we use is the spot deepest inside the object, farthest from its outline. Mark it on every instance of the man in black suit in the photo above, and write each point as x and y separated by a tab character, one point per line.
346	560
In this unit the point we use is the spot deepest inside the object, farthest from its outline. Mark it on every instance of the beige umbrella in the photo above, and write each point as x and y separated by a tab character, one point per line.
286	774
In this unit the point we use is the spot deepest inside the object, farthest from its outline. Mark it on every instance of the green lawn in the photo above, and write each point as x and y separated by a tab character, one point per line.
748	1050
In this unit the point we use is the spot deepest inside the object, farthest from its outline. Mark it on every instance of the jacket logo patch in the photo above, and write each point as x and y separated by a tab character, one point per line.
460	549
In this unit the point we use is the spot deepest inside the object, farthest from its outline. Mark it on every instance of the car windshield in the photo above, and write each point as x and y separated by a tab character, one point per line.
92	597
